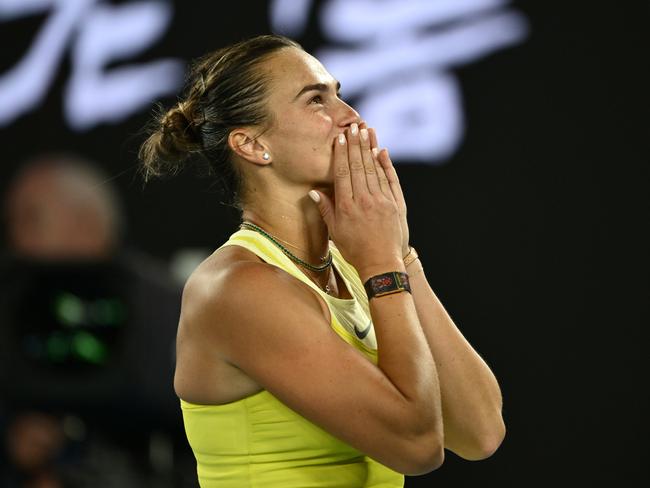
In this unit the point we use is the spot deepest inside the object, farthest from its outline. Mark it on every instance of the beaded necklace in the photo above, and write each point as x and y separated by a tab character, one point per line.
327	260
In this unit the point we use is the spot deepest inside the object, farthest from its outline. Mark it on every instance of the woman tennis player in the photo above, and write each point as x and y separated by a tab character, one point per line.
311	350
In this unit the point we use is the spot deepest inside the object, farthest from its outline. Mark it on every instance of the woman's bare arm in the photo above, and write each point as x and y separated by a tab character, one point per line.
271	326
471	398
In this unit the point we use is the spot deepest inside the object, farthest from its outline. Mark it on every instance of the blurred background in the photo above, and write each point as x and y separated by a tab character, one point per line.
516	129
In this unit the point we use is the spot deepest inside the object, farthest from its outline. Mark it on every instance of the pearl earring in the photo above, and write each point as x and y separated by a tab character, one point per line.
266	156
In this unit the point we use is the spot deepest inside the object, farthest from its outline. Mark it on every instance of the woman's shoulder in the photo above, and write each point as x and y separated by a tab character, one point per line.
233	298
203	373
220	270
233	272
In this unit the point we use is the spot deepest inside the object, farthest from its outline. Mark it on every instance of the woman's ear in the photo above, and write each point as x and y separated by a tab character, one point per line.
246	146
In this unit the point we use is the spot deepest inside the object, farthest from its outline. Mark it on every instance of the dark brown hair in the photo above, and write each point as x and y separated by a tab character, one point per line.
224	89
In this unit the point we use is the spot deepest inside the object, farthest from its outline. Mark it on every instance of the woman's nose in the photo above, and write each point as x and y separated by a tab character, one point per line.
348	115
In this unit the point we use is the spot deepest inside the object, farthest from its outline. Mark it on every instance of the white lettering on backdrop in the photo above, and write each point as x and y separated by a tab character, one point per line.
97	34
394	58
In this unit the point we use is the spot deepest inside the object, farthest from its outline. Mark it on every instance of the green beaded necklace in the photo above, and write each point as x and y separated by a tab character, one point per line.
323	267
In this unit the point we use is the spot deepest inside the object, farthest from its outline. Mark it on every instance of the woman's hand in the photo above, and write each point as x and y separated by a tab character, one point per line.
385	166
363	218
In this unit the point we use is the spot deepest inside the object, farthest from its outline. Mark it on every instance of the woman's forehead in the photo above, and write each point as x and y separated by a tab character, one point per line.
291	69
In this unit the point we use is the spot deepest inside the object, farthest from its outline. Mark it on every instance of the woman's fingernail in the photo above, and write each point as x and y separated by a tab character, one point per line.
375	151
364	134
354	128
313	194
341	139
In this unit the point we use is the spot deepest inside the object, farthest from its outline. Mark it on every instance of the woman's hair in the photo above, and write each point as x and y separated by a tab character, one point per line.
224	89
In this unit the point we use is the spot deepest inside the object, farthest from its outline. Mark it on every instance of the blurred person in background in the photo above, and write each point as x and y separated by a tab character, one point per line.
60	208
33	443
87	385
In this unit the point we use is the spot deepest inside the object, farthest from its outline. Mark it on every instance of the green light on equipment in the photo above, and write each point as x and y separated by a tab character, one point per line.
69	309
88	347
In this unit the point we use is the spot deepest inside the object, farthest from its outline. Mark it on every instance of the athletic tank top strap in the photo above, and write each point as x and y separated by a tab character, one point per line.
351	318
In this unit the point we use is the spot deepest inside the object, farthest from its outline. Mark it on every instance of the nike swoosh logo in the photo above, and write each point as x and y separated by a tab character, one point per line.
361	334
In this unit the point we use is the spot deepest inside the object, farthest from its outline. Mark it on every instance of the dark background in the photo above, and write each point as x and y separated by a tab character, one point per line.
534	235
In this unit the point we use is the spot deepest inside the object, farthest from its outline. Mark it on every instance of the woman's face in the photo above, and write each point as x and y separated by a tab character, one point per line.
307	115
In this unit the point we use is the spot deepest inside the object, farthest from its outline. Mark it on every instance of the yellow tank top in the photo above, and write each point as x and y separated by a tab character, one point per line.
258	441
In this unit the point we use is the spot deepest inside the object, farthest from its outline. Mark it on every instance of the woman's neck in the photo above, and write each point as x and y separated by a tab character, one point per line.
295	221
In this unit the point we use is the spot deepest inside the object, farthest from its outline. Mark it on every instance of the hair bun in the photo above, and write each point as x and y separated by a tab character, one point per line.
172	141
177	124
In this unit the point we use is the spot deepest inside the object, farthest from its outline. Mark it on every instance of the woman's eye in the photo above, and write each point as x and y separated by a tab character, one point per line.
316	99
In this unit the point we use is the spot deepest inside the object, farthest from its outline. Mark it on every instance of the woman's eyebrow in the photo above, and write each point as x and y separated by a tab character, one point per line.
322	87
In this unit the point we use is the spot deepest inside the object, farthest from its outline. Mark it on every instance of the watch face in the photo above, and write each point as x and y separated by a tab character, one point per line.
383	282
387	283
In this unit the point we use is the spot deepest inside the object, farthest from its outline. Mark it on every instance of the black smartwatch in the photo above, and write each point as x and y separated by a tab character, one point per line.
387	284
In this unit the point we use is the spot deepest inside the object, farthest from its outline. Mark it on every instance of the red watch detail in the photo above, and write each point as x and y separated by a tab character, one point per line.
387	284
